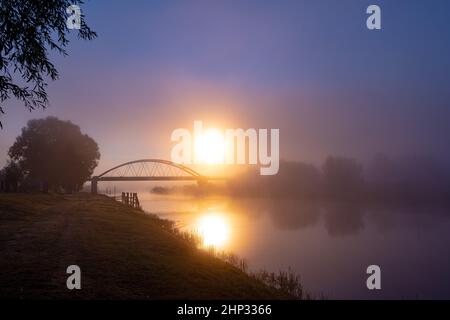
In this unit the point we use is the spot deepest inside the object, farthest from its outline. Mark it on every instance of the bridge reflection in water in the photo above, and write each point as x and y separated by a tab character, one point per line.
150	170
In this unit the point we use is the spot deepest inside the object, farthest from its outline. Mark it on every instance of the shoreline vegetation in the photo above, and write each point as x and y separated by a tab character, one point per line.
123	253
287	282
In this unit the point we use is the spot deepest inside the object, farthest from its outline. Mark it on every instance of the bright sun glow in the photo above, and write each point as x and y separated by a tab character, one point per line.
214	230
210	147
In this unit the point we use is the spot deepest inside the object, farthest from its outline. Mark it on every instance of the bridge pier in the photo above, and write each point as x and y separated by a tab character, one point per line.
94	182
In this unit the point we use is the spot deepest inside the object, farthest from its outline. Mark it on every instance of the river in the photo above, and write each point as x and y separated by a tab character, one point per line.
329	245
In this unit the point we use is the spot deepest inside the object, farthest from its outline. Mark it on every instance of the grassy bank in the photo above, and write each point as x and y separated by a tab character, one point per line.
122	253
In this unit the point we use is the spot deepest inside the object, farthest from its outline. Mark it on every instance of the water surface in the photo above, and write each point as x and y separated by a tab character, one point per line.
330	245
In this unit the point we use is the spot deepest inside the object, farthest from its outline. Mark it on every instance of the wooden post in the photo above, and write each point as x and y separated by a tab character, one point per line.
130	199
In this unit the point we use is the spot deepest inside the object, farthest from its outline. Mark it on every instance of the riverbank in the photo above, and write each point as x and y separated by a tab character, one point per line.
122	253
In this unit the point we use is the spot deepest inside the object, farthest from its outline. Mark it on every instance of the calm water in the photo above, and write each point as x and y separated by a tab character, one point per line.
330	245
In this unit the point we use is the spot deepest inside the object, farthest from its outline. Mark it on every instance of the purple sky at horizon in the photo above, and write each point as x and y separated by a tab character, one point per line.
310	68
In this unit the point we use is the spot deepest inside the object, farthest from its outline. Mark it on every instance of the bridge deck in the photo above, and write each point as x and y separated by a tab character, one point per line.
187	178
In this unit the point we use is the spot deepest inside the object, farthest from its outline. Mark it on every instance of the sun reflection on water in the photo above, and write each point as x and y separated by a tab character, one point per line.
214	230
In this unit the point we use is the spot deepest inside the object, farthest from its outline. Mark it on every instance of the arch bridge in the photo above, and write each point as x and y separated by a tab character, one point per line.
150	170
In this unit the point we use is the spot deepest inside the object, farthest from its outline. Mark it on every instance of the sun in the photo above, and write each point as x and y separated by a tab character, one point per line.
210	147
214	230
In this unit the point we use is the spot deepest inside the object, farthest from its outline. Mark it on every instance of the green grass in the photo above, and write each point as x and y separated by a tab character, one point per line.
122	252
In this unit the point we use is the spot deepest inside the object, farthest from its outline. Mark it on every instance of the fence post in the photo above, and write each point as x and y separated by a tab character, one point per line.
131	199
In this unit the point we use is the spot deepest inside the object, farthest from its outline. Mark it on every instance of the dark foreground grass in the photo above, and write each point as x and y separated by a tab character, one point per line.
122	253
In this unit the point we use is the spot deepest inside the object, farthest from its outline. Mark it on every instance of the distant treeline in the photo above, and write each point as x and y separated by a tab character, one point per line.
413	179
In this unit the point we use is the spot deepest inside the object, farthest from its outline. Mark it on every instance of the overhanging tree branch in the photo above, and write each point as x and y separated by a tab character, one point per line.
29	29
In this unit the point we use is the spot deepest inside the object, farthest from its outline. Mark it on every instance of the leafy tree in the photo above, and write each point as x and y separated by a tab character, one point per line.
55	153
28	29
11	176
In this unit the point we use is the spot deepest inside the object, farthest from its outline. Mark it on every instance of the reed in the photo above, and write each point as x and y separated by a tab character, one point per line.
286	282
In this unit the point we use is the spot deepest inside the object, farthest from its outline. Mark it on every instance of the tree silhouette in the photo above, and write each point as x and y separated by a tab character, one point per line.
343	177
11	176
28	29
55	154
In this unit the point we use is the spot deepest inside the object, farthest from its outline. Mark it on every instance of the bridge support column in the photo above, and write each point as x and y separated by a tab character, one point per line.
94	181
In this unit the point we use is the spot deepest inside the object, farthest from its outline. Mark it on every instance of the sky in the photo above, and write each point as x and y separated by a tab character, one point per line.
310	68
